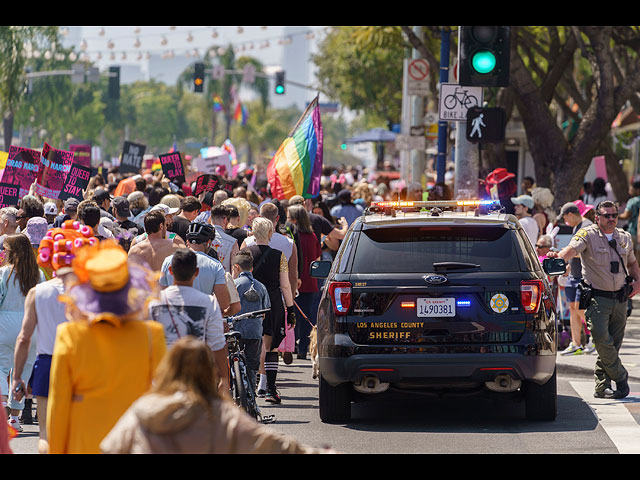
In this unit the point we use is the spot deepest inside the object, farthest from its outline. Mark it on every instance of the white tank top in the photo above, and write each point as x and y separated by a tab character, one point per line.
50	313
278	241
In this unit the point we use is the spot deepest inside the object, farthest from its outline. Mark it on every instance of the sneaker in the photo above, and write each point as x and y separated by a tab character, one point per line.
15	424
572	349
606	393
273	397
262	393
589	347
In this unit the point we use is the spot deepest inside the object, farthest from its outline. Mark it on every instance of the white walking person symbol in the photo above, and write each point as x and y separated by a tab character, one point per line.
477	123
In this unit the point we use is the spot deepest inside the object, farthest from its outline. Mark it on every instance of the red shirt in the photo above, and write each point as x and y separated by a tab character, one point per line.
311	250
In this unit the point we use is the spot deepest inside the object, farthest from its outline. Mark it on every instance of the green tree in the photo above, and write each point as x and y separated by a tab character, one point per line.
14	44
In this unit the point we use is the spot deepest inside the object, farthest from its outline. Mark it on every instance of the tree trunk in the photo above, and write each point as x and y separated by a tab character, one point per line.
7	124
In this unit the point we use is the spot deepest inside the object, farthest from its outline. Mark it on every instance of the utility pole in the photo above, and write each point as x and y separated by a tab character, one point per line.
466	156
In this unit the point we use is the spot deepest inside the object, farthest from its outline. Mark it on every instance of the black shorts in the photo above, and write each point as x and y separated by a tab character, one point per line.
274	320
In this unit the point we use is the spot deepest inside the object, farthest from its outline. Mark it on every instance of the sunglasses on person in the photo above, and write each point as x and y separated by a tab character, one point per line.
609	215
543	246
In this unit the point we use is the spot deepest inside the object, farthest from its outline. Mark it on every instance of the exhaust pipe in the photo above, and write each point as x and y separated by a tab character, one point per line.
371	384
503	383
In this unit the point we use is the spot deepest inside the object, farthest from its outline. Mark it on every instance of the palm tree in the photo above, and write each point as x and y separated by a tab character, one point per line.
223	87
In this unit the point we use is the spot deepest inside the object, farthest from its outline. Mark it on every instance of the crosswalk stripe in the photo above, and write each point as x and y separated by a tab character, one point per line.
614	416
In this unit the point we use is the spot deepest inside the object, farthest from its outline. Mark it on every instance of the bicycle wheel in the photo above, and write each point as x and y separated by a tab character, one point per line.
240	394
450	101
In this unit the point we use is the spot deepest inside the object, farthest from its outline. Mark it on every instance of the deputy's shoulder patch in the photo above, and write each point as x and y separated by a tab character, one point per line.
580	234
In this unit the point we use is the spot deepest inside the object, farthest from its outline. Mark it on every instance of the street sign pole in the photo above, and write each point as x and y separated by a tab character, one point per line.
418	156
441	161
466	160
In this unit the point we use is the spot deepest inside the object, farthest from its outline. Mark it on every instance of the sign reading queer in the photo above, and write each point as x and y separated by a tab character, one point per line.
9	195
22	168
76	182
132	155
172	167
54	166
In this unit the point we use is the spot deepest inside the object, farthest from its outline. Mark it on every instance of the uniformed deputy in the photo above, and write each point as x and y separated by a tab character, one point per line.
613	277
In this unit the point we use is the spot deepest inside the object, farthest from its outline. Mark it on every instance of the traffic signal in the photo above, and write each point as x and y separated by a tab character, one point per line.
486	125
198	77
279	87
484	56
114	83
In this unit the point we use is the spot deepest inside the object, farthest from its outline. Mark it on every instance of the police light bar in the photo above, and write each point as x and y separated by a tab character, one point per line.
435	203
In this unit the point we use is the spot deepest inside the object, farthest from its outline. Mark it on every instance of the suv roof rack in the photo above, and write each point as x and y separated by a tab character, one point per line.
436	207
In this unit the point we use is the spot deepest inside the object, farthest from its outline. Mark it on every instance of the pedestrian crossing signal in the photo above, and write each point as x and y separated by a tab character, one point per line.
486	125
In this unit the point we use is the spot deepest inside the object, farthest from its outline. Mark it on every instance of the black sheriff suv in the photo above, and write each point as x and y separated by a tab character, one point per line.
437	298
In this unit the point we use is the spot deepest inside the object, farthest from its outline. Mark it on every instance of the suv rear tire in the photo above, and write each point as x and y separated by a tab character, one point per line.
541	401
335	402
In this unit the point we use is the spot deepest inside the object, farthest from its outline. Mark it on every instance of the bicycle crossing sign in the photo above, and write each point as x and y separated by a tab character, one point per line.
456	100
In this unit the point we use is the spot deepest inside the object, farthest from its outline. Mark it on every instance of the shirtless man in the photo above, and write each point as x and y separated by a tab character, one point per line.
156	247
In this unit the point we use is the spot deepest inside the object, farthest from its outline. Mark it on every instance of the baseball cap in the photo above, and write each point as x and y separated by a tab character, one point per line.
526	200
165	209
121	206
569	207
71	205
101	195
50	208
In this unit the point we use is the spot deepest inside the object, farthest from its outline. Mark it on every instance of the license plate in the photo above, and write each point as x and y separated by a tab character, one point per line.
436	307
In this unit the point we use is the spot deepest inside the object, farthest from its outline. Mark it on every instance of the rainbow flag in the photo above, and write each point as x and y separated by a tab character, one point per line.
240	115
218	104
296	167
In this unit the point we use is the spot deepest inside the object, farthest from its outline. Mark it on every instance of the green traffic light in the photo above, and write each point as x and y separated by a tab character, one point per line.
280	89
483	61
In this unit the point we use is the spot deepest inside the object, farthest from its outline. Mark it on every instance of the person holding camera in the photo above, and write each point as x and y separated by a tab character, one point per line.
611	276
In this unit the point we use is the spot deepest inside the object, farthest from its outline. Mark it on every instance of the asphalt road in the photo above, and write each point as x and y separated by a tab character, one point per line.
408	426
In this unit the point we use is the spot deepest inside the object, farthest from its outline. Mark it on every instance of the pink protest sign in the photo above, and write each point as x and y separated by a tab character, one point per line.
82	154
22	168
54	166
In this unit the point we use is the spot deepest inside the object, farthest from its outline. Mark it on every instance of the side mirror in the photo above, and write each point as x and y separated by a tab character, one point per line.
554	266
320	268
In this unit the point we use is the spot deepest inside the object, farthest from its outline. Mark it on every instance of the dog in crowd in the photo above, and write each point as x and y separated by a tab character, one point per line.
313	350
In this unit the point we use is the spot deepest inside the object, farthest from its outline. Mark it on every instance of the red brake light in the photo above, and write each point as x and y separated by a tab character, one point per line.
340	293
531	295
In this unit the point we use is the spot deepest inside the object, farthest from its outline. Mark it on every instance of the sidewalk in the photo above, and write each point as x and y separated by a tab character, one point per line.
629	352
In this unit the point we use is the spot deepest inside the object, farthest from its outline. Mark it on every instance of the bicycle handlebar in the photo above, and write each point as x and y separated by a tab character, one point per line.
248	314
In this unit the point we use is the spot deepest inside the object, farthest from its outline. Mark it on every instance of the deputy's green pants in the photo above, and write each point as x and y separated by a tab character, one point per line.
606	319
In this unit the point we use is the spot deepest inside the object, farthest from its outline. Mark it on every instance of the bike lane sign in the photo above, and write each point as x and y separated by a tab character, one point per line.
456	100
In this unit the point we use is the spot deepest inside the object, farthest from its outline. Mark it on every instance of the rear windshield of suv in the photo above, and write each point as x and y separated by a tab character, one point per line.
416	249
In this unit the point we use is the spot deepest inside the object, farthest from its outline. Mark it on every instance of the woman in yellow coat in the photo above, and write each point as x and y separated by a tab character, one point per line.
106	355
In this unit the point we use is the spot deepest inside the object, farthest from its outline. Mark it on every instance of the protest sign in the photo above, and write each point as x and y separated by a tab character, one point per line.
9	195
76	182
211	159
54	166
22	168
132	155
172	167
82	154
207	183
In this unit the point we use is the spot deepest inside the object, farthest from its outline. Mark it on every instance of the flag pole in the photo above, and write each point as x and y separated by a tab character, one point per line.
304	114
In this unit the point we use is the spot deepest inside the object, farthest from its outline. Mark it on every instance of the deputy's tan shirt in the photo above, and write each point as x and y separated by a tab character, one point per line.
597	255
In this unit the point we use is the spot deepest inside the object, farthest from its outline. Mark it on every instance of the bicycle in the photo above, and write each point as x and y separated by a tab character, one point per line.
241	389
460	96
